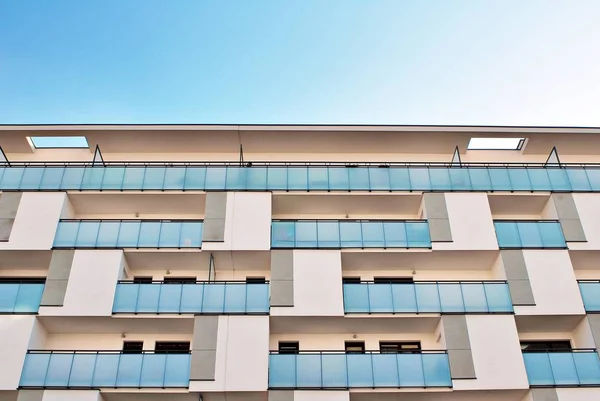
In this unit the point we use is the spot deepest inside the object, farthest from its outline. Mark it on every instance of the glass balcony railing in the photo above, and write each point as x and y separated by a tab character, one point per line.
590	293
529	234
20	297
33	176
428	297
340	370
580	367
110	369
128	234
195	298
349	234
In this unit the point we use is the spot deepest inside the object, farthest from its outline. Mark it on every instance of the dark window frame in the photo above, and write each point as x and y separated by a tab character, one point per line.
256	280
546	346
133	347
351	280
386	347
180	280
172	347
288	347
393	280
354	344
142	279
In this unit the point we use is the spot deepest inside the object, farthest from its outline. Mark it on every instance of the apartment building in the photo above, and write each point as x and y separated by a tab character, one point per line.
299	263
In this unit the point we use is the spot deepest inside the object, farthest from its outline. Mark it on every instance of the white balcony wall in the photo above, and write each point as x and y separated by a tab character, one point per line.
553	283
578	394
589	214
15	332
496	354
242	358
92	284
108	342
201	275
72	395
471	223
580	337
36	220
423	275
335	342
321	396
317	284
247	223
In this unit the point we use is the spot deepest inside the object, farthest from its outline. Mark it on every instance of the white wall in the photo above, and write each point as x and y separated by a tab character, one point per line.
424	275
15	332
200	274
92	284
242	361
321	396
247	223
36	220
589	214
578	394
317	284
335	342
553	283
471	223
109	342
496	354
72	395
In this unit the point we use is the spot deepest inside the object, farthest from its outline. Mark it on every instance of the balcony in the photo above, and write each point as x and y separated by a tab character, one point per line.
581	367
20	297
428	297
33	176
115	234
105	369
530	234
340	370
590	293
335	234
225	298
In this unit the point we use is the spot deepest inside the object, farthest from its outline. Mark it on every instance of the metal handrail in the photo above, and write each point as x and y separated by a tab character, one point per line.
526	221
352	220
572	350
262	163
115	352
435	282
134	220
191	282
323	352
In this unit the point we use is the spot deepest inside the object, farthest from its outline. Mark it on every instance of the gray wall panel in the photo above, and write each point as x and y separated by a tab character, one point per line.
568	217
58	278
9	203
517	277
280	395
214	217
282	278
204	348
594	321
459	347
30	395
544	394
437	216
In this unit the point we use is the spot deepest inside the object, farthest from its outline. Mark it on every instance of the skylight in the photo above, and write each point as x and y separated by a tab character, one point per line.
496	143
49	142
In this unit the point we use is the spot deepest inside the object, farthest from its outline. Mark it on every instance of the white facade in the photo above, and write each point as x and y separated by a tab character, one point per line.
388	276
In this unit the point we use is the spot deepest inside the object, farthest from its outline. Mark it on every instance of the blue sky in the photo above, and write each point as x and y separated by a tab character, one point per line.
492	62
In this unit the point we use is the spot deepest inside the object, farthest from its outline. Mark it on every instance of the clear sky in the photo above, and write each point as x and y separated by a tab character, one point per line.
491	62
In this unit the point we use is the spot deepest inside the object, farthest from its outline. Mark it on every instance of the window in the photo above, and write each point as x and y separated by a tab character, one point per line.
49	142
545	346
142	280
355	347
172	347
28	280
351	280
393	280
133	347
289	347
180	280
394	347
496	144
255	280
